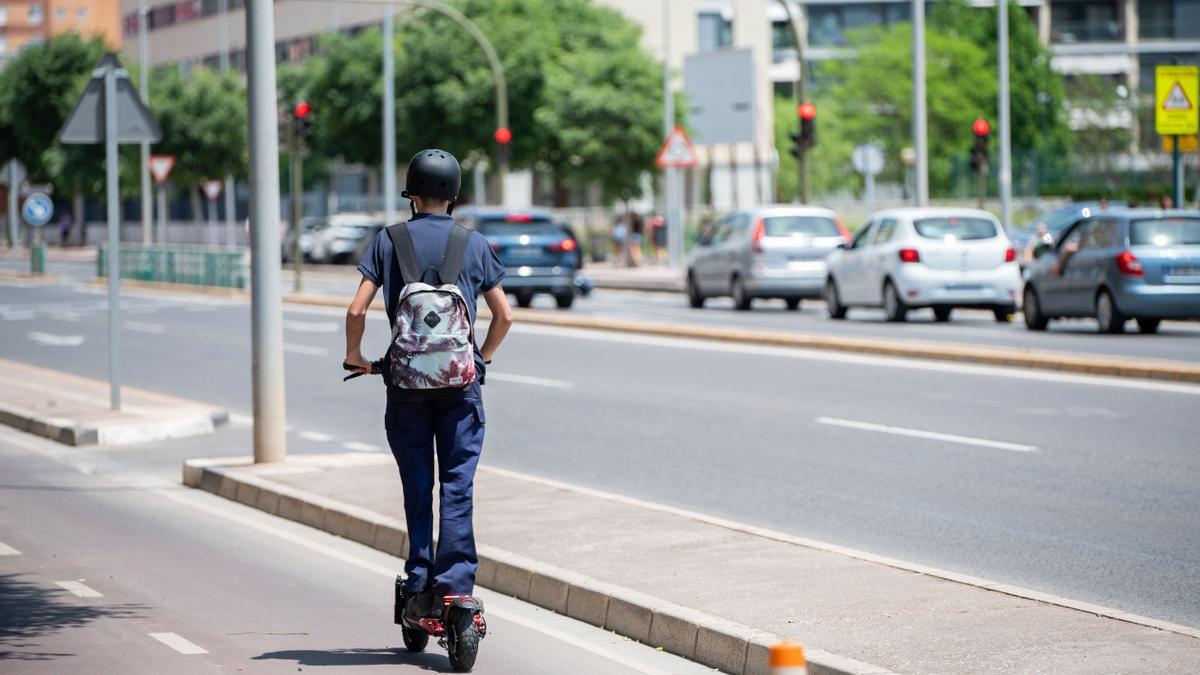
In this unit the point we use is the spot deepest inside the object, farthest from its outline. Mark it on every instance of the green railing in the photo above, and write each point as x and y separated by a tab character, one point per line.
180	264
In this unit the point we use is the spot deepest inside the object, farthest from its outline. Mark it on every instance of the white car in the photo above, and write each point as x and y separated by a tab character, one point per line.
905	259
346	237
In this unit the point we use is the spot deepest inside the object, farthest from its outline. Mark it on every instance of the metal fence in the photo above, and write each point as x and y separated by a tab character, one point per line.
222	266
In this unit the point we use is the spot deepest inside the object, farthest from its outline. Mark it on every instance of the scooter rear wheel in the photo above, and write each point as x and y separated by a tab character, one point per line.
462	639
415	640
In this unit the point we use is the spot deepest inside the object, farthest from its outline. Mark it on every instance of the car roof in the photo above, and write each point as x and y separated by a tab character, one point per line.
795	209
355	219
1142	213
913	212
497	213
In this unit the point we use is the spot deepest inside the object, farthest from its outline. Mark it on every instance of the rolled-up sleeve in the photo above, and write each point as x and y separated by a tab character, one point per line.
371	264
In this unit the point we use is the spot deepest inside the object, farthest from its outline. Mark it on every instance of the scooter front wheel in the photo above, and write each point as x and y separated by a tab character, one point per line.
462	639
415	639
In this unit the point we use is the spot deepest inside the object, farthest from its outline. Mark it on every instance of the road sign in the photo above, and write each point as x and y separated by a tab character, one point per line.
868	159
85	126
37	209
212	189
1186	143
1176	94
161	165
677	151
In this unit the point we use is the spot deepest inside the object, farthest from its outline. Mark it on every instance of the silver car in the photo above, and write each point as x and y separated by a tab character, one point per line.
765	252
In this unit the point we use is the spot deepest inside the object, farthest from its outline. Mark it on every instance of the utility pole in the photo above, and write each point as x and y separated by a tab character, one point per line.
230	184
389	115
113	197
671	175
293	141
144	90
920	129
1005	125
270	440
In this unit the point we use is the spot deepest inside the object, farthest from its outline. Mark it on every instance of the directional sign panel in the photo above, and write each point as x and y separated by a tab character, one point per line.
677	151
37	209
1176	94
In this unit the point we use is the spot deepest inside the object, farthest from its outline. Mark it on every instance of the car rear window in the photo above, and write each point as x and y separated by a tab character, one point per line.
800	226
503	228
953	226
1165	232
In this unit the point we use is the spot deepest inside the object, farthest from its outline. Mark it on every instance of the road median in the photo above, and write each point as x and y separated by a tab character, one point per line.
712	591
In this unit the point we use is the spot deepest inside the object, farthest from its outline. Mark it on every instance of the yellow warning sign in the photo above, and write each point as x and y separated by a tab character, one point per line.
1176	94
1186	143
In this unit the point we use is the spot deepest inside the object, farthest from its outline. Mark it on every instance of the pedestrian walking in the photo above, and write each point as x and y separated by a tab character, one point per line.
431	270
64	229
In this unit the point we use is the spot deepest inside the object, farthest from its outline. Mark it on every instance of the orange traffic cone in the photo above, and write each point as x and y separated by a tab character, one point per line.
787	658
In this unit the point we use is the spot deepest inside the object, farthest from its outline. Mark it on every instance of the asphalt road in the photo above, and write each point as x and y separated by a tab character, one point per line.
1084	487
108	568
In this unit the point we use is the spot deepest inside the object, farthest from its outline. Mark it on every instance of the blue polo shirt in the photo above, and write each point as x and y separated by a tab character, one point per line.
481	270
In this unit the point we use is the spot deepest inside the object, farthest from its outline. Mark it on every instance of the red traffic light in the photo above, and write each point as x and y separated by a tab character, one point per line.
981	127
302	109
807	111
503	135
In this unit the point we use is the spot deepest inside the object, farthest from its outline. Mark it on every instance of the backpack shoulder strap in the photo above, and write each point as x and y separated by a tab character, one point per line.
456	251
406	254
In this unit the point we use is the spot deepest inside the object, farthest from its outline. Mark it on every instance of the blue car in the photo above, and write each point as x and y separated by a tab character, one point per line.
1116	265
539	255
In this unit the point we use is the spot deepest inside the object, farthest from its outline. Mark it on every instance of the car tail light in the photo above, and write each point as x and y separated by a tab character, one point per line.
837	220
760	231
519	217
910	255
566	245
1010	254
495	247
1128	263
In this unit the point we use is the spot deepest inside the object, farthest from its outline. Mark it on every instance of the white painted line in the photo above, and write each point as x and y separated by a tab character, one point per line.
357	446
79	589
52	340
142	327
317	436
526	379
16	314
178	643
310	327
305	349
929	435
5	549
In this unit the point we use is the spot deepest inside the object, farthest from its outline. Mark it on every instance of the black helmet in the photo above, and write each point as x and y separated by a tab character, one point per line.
433	174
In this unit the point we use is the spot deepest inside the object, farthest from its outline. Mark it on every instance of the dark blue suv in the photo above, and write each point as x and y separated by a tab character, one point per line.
538	254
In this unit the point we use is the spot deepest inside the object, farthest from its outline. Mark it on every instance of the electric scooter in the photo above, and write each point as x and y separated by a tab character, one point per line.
458	623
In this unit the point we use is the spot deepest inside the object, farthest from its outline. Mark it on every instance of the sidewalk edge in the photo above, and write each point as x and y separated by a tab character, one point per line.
694	635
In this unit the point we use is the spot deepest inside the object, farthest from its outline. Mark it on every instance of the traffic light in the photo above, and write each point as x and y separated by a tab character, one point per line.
503	136
979	153
302	119
808	125
797	145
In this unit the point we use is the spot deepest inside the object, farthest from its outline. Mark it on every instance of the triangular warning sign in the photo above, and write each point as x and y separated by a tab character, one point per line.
677	151
1176	99
161	165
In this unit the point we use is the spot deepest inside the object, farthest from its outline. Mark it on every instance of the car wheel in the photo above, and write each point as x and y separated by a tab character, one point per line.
942	314
1003	314
895	308
565	300
695	299
1148	326
524	299
741	301
1034	319
793	304
1107	315
833	303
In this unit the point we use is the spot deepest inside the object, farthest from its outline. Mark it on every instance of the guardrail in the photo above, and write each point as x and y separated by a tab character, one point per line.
221	266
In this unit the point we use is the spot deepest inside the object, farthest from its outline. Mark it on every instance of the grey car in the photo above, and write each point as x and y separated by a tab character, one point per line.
765	252
1120	264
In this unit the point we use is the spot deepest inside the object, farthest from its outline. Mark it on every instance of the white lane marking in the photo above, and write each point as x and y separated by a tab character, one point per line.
201	308
305	349
178	643
52	340
526	379
143	327
16	314
862	360
315	436
929	435
310	327
5	549
357	446
79	589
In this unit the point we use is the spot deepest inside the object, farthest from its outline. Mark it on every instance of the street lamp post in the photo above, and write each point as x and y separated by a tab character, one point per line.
920	129
389	115
144	90
1005	176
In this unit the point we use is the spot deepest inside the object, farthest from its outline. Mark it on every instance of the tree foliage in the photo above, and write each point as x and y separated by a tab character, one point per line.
203	119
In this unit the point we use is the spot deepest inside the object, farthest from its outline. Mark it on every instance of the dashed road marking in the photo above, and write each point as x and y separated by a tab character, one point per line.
929	435
526	379
357	446
143	327
80	589
317	436
305	349
53	340
310	327
5	549
178	643
16	314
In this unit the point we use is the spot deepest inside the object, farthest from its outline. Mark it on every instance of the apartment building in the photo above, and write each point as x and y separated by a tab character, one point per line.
27	22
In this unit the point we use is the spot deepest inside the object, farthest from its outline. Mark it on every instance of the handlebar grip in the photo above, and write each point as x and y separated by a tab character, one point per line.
376	369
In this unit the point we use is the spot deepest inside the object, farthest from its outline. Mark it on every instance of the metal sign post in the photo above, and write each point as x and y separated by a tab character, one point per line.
212	190
37	211
160	166
110	112
677	153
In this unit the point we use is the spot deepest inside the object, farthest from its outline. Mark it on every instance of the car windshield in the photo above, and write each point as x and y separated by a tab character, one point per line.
800	226
956	227
1165	232
507	228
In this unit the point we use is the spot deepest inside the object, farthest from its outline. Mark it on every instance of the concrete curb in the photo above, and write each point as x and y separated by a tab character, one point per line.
1144	369
711	641
72	432
11	275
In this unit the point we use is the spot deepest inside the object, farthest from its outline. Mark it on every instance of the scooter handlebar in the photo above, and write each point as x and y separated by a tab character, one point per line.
376	369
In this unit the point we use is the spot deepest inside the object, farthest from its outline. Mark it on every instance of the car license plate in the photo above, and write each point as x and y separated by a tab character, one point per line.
525	252
1184	271
964	287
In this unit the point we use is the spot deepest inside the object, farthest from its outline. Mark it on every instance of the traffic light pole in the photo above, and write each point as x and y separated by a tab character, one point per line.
1005	126
297	204
981	183
798	41
144	90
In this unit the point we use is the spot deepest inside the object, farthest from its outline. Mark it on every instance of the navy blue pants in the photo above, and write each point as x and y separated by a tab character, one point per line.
452	431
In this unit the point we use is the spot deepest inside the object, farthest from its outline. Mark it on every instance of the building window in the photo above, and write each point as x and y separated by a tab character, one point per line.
1086	21
1169	19
36	17
60	13
81	13
828	24
716	31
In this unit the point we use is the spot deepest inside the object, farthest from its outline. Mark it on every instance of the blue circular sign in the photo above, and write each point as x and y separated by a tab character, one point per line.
37	209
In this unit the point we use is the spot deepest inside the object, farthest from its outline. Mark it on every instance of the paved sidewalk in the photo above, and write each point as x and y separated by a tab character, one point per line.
75	410
644	278
718	592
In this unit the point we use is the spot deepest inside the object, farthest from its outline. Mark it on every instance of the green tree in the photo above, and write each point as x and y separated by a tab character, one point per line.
203	119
